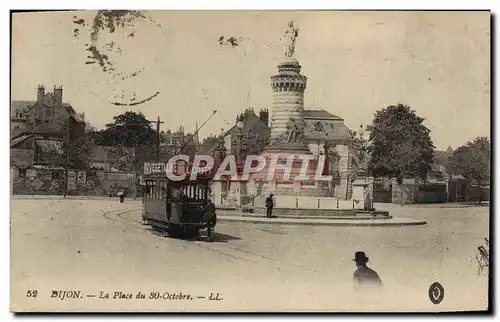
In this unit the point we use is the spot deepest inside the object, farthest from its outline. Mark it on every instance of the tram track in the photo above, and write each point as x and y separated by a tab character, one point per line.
121	214
114	214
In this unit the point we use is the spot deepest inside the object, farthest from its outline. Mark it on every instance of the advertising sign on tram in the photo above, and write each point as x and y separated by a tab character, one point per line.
177	168
182	169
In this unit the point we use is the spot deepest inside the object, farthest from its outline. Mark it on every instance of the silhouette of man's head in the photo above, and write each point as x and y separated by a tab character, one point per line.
271	195
360	258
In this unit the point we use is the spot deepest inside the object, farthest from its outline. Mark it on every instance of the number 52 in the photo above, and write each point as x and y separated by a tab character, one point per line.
32	293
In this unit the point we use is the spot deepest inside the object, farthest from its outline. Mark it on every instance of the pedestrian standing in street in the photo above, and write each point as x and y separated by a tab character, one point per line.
269	206
121	195
364	275
210	215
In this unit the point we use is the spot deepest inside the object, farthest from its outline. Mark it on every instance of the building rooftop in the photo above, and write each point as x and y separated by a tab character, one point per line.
20	107
320	114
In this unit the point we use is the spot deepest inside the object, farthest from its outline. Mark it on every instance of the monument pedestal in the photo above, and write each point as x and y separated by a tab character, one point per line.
362	192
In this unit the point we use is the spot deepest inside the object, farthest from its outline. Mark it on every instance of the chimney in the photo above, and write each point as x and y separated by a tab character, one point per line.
58	92
264	116
40	94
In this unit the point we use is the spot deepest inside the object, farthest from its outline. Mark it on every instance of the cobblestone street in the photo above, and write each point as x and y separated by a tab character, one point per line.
100	245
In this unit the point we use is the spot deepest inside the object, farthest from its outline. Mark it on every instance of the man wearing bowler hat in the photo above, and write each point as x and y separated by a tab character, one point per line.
364	274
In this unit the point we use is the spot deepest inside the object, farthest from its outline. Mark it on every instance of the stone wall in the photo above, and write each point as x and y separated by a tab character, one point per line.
80	182
405	193
415	191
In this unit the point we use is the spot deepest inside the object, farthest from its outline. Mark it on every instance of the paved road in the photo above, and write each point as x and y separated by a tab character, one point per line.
95	246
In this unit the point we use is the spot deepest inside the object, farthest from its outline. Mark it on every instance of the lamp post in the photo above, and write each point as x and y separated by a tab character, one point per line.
220	148
239	160
361	152
220	151
240	127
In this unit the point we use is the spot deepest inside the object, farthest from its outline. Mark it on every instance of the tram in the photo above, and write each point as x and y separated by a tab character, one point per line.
176	208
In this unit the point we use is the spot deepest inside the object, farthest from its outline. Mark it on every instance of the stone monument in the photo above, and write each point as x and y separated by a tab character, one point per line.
287	125
287	118
294	197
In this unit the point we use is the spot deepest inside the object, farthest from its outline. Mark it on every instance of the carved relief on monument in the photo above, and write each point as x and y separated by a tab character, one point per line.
318	127
325	130
293	133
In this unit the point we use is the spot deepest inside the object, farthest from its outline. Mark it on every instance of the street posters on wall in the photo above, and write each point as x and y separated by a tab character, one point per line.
71	180
81	178
30	173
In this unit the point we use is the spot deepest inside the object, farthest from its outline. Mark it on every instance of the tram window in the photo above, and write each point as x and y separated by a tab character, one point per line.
161	189
156	189
148	189
164	190
151	189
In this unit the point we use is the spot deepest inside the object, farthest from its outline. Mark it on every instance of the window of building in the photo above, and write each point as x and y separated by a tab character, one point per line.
22	173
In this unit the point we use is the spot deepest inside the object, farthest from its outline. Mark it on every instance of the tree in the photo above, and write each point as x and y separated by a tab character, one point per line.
124	159
78	143
401	146
472	161
131	130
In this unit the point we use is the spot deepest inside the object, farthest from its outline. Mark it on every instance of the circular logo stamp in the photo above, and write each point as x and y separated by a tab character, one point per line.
436	293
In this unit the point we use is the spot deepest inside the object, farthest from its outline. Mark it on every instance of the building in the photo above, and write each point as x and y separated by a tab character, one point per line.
39	128
173	142
440	167
327	134
250	133
49	108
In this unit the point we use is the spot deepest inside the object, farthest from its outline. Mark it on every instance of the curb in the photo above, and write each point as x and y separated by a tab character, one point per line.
330	222
54	197
313	217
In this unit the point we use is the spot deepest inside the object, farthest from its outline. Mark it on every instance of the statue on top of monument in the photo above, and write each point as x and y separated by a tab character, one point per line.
290	38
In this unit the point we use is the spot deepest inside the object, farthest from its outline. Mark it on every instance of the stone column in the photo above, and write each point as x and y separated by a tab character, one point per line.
396	195
217	192
371	187
288	96
447	182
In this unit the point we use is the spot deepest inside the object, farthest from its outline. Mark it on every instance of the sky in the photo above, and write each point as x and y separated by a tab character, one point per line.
356	63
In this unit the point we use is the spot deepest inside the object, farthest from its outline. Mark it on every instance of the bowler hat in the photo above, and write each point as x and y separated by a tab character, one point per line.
360	257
